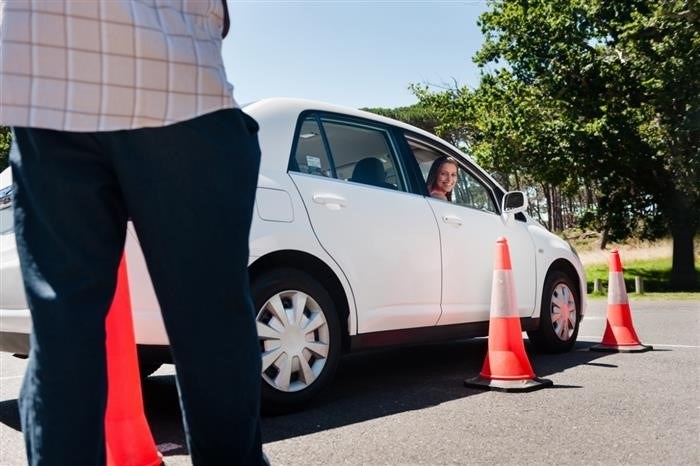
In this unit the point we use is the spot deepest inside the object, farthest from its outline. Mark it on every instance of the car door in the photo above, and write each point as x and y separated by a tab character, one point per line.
469	226
384	238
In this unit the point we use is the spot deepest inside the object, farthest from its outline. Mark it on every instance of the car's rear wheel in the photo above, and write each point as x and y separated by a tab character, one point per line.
559	315
300	339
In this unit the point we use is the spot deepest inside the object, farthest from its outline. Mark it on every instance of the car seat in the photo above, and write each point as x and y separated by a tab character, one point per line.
370	170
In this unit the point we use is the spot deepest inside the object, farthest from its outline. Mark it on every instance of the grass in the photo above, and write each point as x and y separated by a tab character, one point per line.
654	274
649	260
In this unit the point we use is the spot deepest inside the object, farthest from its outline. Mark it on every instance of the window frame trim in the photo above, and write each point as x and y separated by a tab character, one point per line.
495	191
320	116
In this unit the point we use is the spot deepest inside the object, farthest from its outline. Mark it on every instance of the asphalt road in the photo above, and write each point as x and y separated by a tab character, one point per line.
409	406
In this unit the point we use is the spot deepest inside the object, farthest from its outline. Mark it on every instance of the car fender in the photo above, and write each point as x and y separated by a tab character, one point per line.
550	248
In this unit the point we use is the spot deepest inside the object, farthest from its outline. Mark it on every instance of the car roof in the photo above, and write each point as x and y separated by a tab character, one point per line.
287	105
279	116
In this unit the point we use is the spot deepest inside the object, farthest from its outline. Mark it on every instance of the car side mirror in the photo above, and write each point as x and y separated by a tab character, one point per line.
513	202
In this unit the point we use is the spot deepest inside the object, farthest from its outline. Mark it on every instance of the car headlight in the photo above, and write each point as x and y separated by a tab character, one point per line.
7	222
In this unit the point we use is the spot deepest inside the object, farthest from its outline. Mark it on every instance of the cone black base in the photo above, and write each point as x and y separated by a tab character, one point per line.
527	385
621	348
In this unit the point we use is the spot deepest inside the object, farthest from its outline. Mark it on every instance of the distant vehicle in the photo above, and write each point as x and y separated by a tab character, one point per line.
342	261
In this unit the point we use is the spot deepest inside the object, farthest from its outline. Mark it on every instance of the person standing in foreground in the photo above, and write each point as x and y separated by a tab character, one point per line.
121	110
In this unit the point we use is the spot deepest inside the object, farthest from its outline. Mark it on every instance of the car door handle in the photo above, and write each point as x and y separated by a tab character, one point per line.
452	220
331	201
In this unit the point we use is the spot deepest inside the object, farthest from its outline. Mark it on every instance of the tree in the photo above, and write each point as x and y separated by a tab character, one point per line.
416	115
5	141
596	94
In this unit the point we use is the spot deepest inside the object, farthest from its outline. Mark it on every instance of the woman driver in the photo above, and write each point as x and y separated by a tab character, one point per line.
442	177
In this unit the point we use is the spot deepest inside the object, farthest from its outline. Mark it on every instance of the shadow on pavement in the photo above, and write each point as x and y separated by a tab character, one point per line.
9	414
163	412
382	383
367	386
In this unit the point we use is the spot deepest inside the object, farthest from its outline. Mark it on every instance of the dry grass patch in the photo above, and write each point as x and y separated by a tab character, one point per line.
629	252
649	260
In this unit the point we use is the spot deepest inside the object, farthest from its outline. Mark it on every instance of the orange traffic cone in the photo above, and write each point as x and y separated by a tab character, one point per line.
619	336
129	439
506	367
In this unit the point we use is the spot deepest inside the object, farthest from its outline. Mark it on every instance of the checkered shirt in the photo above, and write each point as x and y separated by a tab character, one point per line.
104	65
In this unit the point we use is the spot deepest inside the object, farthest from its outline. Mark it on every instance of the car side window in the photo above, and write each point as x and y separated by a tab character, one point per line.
357	152
363	154
311	156
468	191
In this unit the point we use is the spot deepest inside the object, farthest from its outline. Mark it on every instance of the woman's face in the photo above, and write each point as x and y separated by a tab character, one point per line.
446	177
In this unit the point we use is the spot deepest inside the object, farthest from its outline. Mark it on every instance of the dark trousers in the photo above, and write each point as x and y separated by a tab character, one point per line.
189	190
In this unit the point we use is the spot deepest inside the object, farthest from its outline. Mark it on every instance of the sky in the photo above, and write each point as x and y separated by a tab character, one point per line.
352	53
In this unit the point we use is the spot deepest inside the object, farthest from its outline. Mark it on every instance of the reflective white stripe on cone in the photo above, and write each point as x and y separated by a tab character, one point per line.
506	366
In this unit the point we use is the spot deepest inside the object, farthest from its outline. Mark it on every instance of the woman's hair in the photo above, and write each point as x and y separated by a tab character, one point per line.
435	168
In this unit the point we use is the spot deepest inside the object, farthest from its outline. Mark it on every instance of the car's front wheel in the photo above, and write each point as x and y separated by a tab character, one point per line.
559	315
300	339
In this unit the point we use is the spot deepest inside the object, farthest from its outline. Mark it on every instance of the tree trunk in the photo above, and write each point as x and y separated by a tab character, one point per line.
589	197
683	275
557	217
603	238
548	198
683	220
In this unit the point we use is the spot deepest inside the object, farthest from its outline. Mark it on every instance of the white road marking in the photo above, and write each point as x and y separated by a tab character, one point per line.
165	447
665	345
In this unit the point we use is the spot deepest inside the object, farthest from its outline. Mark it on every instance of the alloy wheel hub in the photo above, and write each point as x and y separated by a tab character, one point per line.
563	312
294	338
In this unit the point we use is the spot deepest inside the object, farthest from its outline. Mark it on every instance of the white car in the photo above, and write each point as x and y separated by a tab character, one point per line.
343	261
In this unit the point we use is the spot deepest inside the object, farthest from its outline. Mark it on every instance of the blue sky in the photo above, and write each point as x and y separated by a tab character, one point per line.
354	53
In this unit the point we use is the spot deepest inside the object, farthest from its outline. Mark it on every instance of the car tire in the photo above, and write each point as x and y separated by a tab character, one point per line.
300	338
559	315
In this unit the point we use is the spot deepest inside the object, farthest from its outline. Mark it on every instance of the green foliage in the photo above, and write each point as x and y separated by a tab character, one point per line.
596	93
450	109
416	115
5	142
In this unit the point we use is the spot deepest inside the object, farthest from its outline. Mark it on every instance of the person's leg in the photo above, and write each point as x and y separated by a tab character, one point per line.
70	226
190	189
